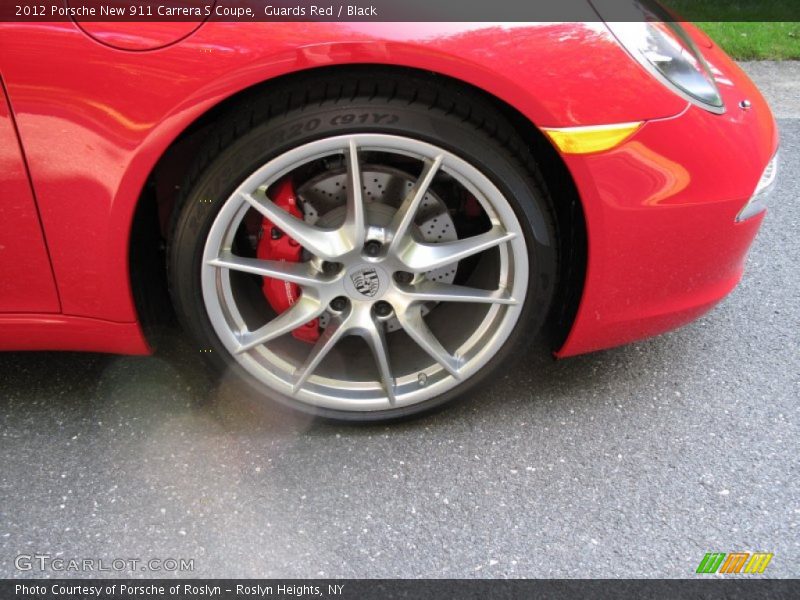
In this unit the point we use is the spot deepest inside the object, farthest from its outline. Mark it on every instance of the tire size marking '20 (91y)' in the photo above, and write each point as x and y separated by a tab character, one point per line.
297	129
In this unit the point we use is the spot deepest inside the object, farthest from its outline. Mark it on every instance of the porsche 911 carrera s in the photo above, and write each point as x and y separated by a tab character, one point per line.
365	220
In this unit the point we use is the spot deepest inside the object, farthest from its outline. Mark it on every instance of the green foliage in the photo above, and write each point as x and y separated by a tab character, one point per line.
747	29
736	10
756	41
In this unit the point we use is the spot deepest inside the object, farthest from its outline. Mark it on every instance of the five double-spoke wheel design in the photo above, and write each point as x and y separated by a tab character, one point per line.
396	332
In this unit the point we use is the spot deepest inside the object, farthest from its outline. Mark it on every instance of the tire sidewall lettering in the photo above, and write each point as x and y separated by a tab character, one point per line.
309	126
295	130
364	118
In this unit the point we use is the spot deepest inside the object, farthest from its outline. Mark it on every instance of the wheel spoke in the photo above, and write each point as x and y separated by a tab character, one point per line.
332	334
432	291
300	313
320	242
303	274
420	257
355	222
408	209
414	325
376	340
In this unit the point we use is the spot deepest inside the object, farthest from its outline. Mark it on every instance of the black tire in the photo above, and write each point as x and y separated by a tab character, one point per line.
267	123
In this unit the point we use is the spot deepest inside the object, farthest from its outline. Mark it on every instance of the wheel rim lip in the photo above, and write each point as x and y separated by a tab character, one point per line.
492	332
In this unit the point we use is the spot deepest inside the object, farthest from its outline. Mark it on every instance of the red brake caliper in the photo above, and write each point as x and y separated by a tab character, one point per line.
276	245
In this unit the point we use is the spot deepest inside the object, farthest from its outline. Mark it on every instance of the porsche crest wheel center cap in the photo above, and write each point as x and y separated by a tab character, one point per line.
366	282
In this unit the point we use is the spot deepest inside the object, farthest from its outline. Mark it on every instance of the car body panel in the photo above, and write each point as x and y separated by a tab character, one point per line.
664	244
67	332
26	280
92	140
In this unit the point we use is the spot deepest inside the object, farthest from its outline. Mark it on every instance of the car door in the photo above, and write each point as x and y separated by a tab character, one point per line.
26	277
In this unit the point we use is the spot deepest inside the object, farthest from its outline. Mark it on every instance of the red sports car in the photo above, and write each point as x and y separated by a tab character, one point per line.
363	220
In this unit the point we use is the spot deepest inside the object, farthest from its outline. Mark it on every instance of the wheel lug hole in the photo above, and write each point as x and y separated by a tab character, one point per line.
331	268
403	277
382	308
372	248
339	303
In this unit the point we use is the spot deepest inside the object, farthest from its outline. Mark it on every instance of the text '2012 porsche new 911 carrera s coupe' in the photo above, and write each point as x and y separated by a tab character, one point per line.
364	220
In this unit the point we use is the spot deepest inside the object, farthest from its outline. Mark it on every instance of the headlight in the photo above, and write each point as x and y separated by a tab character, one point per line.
663	47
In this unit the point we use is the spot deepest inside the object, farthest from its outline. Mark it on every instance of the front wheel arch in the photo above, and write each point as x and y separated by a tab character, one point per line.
154	210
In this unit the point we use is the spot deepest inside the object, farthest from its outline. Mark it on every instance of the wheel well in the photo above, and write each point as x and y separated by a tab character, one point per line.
154	210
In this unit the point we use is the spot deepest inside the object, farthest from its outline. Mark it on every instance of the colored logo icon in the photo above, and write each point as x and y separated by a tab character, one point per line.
735	562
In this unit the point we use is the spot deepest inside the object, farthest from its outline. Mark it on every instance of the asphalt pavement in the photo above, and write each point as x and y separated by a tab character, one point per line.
632	462
779	81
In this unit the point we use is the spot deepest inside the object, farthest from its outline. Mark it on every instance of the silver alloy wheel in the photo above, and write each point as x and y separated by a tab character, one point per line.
395	379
